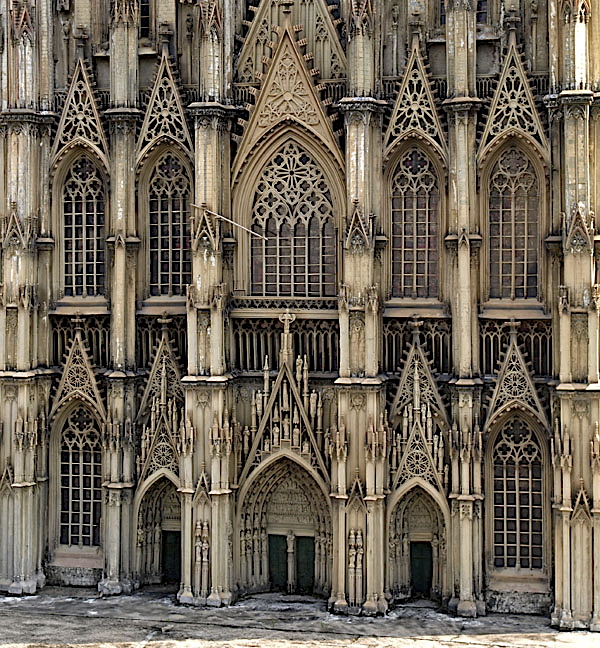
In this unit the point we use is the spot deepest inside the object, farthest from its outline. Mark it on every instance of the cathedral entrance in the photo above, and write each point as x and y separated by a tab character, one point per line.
417	559
292	563
171	556
278	562
305	564
421	568
285	533
158	542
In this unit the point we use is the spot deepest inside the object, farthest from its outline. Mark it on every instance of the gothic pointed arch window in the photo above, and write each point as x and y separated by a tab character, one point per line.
415	226
293	210
169	195
514	213
80	488
84	238
517	473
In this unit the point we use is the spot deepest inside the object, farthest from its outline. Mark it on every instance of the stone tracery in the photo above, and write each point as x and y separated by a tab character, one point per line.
362	443
293	209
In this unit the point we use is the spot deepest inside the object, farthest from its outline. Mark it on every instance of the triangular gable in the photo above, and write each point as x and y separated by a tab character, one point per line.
361	17
287	94
80	122
164	118
13	234
356	497
330	59
159	440
360	233
22	22
206	230
6	479
78	382
513	108
417	461
284	424
414	113
581	511
579	237
416	382
209	20
201	494
514	388
164	381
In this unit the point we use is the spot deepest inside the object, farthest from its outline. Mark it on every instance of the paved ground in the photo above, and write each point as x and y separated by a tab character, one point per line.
152	619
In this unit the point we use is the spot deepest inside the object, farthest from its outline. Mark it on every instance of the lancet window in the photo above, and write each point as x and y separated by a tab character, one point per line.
481	11
518	498
145	19
415	226
442	10
83	203
513	227
80	480
169	236
293	209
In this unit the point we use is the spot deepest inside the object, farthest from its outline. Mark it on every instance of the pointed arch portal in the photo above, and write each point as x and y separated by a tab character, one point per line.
417	547
158	541
285	532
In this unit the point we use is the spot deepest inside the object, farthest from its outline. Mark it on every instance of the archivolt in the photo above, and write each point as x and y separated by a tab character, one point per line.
416	518
256	521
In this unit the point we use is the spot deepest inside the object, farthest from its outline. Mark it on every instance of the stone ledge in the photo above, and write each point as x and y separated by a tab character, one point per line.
73	576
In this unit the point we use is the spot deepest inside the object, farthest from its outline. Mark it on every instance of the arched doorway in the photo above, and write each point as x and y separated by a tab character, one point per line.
417	547
159	534
285	533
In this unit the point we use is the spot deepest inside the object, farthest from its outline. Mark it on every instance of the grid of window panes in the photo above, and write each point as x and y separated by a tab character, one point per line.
145	31
294	253
513	222
83	226
481	12
80	481
169	236
518	500
415	213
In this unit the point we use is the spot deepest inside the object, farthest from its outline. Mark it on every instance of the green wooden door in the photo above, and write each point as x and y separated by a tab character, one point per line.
278	562
171	556
305	564
421	568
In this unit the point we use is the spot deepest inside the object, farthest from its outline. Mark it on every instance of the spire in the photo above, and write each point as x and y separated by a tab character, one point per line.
286	353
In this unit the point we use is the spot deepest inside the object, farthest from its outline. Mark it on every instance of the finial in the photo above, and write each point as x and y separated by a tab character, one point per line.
511	22
286	6
415	327
81	36
165	32
78	322
164	320
513	326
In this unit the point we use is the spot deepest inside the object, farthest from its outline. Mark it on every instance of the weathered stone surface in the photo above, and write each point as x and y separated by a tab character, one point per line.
79	618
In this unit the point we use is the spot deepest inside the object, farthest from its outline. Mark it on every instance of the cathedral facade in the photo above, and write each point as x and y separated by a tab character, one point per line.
302	295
